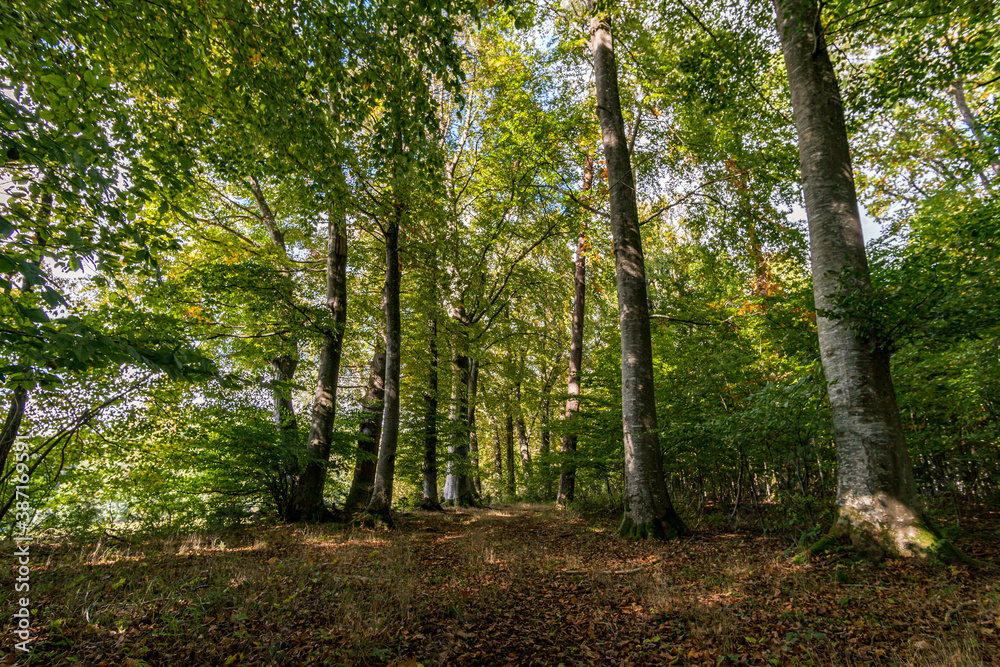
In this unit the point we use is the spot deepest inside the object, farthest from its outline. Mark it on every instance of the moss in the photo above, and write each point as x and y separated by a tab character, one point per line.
651	530
946	552
825	543
922	540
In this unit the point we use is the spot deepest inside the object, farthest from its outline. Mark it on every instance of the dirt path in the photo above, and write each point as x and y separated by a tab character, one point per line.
522	585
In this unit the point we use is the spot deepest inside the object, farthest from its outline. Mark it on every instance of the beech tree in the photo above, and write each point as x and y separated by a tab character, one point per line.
876	494
648	508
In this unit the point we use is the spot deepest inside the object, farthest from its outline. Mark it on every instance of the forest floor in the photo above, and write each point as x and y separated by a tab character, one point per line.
516	585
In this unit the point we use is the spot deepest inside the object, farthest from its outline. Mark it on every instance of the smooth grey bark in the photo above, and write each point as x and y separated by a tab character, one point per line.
369	434
307	499
648	509
567	474
381	501
522	438
876	495
430	488
460	487
457	421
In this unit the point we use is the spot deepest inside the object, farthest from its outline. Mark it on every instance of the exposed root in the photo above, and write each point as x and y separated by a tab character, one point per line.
905	535
651	530
430	505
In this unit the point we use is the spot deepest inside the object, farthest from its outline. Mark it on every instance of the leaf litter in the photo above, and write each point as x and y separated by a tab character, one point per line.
515	585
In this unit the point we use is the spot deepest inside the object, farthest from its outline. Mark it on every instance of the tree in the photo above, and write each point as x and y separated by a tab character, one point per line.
876	495
648	509
567	476
369	436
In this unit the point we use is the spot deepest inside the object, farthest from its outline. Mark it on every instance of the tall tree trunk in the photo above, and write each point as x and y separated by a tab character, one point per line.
307	499
473	436
509	441
369	434
458	421
12	424
876	495
460	487
381	501
522	439
567	474
648	509
430	489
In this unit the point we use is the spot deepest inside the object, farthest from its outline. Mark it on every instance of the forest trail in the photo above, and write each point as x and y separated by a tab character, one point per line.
516	585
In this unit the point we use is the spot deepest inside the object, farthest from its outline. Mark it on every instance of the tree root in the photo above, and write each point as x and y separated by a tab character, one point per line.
429	505
373	519
652	530
951	613
922	539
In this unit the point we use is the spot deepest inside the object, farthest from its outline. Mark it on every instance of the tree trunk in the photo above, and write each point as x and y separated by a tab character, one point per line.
430	491
307	500
522	439
567	475
458	420
460	487
876	495
369	434
381	501
509	441
12	424
473	437
648	509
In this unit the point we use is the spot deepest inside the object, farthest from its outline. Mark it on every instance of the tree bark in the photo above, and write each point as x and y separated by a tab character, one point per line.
458	420
307	502
430	489
460	487
876	495
381	501
567	475
648	509
12	424
369	434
